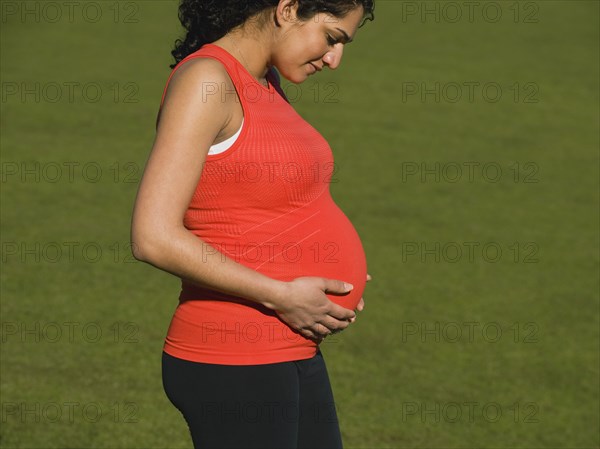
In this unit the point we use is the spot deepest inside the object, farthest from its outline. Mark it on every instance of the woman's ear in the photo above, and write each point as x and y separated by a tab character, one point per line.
286	12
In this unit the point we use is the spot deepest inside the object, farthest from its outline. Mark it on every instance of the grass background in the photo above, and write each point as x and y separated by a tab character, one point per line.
548	291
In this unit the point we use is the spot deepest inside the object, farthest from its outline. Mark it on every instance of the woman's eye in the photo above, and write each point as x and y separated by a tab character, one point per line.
331	40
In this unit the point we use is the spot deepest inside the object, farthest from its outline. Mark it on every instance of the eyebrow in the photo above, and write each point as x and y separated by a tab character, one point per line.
346	37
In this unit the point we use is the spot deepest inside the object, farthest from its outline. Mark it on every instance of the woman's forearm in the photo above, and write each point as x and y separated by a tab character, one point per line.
187	256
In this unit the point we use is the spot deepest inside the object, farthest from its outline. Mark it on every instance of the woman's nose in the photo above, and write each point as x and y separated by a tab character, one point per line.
333	58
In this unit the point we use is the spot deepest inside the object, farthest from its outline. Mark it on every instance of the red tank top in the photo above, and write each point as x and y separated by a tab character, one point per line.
265	203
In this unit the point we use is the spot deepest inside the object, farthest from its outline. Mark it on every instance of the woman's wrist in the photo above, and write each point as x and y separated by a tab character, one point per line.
275	295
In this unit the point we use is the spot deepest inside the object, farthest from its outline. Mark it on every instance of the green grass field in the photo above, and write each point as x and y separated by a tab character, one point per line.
476	199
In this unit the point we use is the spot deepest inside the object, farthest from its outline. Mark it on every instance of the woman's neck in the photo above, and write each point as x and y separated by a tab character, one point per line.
250	49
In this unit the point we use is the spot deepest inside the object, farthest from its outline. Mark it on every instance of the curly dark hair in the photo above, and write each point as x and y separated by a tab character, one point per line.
209	20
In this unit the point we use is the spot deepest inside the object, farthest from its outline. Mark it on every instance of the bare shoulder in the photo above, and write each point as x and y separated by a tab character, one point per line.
200	75
199	83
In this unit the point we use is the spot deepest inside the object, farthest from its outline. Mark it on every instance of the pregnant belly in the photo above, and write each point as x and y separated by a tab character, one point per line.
315	241
336	252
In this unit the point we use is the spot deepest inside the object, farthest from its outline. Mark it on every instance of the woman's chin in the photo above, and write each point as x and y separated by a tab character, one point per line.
294	77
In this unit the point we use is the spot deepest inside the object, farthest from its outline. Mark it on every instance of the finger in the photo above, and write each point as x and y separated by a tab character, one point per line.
308	333
321	330
340	313
361	305
336	287
334	325
369	277
313	335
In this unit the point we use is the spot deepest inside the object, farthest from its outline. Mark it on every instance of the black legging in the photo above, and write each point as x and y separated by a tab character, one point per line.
279	405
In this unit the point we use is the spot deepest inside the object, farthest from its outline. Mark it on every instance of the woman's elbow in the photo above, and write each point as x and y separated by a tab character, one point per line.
141	243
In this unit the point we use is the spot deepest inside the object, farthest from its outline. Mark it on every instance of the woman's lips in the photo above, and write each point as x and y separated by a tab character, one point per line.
315	68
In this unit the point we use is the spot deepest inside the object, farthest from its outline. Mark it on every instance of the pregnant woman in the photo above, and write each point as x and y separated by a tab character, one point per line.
235	201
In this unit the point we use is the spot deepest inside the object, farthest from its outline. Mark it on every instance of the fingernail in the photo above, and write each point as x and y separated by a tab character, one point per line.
348	287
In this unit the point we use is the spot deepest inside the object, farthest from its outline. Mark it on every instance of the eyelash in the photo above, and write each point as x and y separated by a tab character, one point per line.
331	40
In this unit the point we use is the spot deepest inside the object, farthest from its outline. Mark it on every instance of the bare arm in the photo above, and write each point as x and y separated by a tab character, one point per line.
189	123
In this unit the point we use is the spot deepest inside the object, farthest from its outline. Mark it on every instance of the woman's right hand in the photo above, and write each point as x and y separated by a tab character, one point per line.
305	307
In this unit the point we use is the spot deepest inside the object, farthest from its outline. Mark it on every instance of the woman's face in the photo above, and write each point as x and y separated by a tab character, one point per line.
306	47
